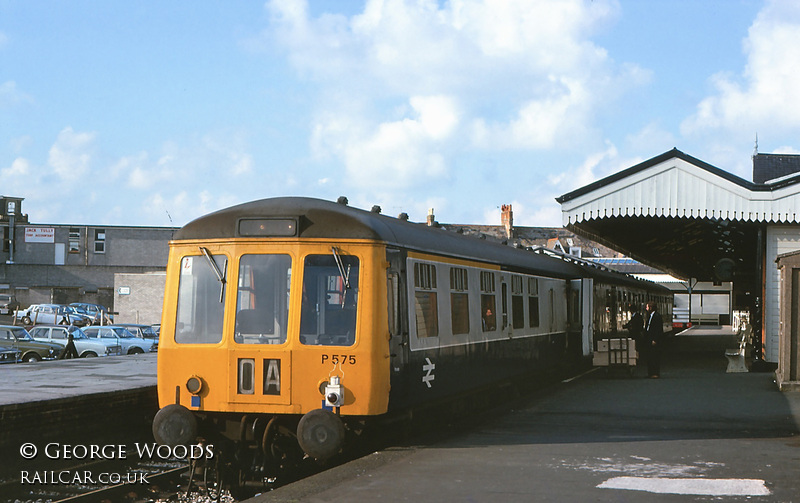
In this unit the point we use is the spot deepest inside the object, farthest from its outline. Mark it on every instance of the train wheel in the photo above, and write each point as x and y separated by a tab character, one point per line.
173	425
320	434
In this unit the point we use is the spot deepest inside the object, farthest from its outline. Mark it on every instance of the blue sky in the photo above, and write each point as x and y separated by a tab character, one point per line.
154	113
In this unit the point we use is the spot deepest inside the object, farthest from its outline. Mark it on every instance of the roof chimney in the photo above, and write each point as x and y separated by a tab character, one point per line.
507	219
431	219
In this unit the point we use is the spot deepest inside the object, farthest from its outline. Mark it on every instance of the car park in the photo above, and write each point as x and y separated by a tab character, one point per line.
8	303
130	343
100	315
86	347
30	350
55	314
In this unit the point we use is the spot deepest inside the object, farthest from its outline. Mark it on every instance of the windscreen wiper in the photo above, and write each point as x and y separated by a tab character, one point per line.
345	274
214	267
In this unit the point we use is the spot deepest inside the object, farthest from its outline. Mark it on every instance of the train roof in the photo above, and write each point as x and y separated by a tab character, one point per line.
316	218
601	273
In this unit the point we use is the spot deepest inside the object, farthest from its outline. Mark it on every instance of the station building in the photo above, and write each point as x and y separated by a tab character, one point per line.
702	224
54	263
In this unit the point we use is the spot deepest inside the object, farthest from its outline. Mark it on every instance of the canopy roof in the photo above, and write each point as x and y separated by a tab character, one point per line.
682	215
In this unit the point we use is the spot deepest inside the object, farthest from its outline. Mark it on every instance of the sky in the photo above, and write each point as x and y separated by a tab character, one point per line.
154	113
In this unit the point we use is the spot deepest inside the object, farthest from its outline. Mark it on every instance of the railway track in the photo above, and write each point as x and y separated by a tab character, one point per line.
163	486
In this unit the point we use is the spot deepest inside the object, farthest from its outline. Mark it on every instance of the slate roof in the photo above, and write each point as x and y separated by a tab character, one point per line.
767	167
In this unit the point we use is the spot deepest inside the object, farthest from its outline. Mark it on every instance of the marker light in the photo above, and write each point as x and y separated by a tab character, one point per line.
334	393
194	385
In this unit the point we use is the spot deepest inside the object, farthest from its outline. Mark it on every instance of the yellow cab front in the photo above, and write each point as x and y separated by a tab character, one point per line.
254	326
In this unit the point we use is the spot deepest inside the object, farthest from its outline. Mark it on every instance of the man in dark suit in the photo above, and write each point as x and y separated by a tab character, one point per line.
635	325
653	339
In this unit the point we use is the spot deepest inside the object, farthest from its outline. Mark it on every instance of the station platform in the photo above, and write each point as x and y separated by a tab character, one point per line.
699	433
52	399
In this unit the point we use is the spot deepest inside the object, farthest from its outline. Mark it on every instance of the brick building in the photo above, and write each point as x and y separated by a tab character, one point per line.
43	263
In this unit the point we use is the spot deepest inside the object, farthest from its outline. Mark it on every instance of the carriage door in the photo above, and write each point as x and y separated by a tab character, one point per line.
398	337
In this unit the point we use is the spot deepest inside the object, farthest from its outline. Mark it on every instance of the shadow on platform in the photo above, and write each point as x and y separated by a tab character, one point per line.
695	398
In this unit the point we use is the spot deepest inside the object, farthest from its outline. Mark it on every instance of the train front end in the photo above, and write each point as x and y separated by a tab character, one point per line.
271	340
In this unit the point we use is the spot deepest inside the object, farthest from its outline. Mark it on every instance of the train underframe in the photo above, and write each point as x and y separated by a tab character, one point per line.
259	451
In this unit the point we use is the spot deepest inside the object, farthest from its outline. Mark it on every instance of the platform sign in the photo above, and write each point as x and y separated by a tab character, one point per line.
40	235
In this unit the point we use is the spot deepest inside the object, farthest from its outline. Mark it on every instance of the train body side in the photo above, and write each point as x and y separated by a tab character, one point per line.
467	325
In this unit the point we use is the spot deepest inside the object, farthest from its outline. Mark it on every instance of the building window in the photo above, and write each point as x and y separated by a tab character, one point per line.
99	240
74	240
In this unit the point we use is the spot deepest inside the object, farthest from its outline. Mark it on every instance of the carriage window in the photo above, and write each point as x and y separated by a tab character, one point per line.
330	297
425	300
488	302
262	300
517	303
533	302
459	300
201	296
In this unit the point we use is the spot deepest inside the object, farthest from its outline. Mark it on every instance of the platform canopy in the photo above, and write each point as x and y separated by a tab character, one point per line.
683	216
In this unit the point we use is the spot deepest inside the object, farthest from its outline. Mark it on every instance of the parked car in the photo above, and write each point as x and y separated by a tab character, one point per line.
8	355
30	350
130	343
8	303
53	314
100	315
86	347
147	332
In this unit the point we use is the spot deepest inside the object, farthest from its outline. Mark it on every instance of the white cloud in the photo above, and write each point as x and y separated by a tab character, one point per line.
229	150
71	155
10	95
525	74
786	150
765	96
400	153
139	189
539	124
19	168
595	166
